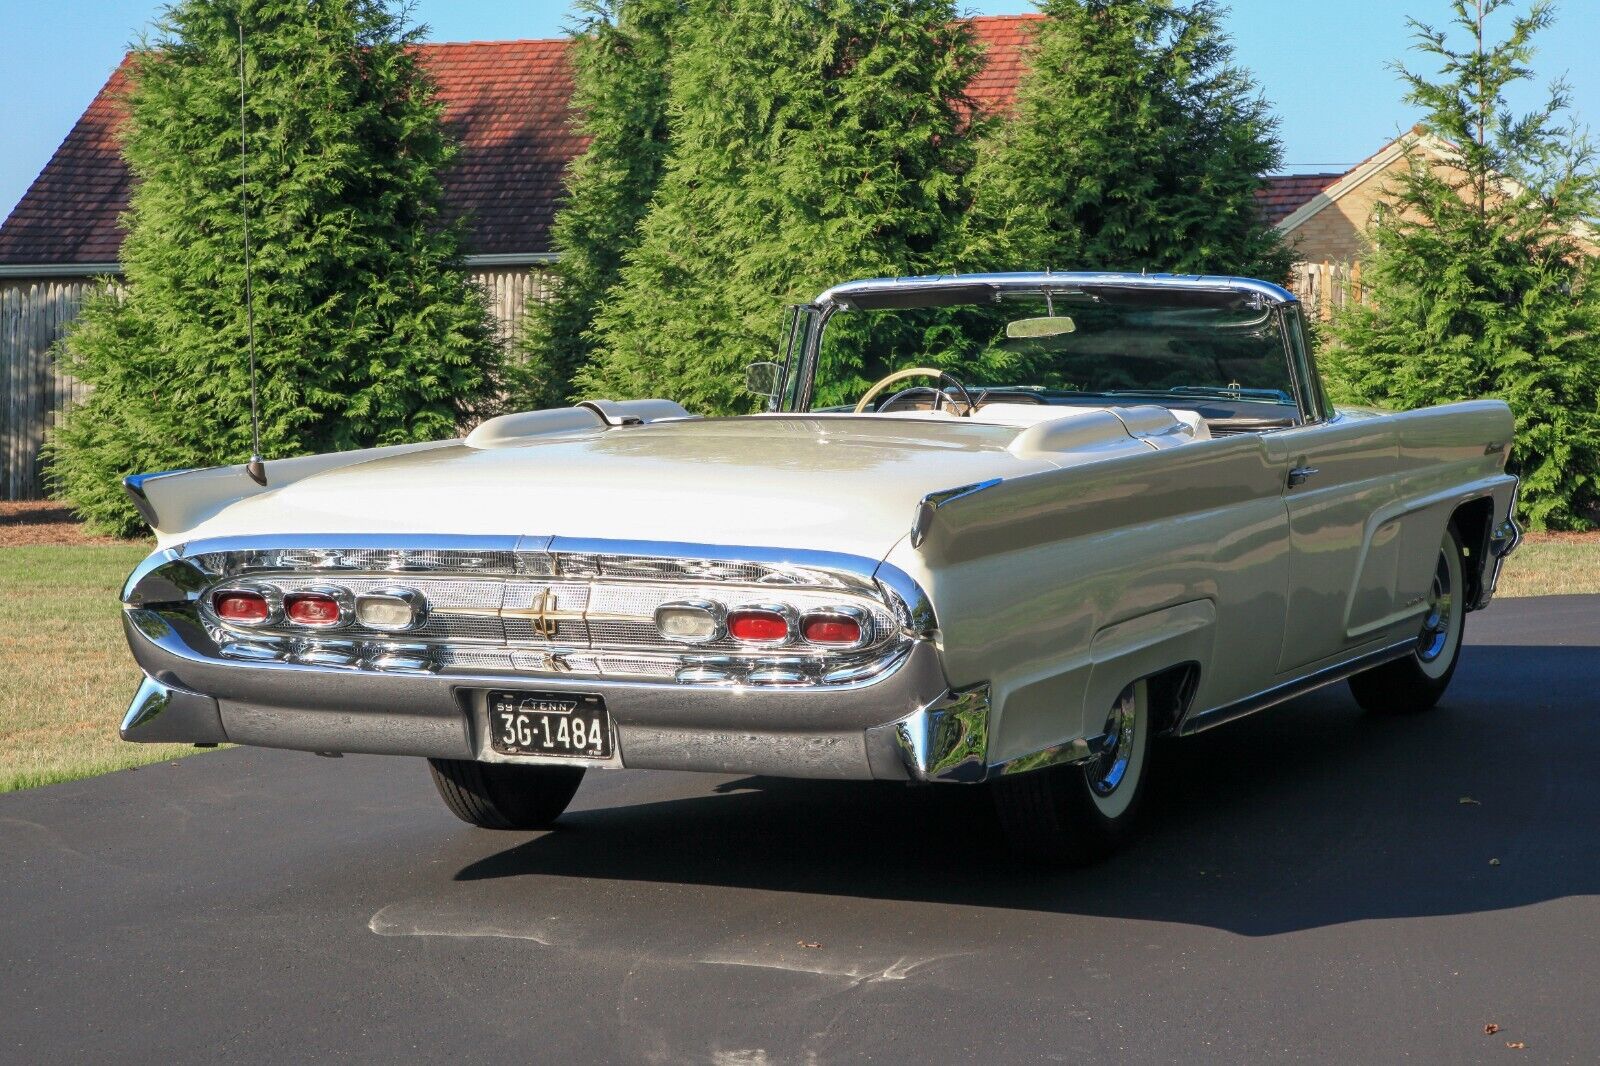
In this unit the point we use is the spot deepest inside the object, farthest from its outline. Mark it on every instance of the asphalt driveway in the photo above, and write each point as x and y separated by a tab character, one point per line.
1315	884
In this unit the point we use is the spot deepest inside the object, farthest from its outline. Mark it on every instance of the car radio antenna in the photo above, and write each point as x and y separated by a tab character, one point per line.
256	468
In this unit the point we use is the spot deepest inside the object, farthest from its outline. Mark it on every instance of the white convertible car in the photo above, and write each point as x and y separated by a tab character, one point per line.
1074	511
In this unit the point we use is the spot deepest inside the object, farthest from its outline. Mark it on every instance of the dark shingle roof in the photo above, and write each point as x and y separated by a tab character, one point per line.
1286	193
506	101
69	213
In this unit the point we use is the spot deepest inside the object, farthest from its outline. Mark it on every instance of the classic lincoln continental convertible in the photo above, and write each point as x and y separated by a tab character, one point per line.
990	529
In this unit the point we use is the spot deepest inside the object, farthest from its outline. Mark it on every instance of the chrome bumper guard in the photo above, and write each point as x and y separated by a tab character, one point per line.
1502	542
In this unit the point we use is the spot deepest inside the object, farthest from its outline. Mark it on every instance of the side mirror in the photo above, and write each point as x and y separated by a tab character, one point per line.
762	378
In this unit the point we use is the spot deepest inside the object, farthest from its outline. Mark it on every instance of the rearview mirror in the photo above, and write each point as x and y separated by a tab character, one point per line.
1031	329
762	378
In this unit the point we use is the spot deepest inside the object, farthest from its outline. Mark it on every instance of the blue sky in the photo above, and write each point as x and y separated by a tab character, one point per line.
1321	64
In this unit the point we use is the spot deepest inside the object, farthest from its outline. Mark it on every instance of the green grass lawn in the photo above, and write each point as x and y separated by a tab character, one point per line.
65	673
66	676
1553	565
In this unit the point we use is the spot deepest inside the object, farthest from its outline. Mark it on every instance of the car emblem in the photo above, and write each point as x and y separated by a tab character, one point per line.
543	613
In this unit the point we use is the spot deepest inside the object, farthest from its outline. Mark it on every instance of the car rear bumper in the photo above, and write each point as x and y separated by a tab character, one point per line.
904	724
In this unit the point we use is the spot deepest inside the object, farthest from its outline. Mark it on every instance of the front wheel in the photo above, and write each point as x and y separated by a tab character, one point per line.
1416	682
1078	813
500	796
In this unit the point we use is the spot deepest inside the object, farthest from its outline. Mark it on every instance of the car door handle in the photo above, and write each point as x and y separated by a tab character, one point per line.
1301	474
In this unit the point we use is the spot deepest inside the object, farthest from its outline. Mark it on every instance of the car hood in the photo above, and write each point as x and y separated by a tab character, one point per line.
826	483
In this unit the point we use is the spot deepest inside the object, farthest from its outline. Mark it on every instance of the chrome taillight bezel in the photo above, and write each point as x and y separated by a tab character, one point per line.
791	621
343	601
414	600
715	613
270	593
840	613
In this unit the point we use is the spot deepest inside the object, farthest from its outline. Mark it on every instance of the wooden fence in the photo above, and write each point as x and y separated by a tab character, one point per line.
508	292
1325	287
34	313
35	395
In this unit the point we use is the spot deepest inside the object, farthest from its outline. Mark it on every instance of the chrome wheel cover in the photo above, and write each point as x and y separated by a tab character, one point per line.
1436	625
1110	767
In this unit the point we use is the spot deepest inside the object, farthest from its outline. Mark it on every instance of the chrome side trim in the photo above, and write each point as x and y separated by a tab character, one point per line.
1198	721
1073	751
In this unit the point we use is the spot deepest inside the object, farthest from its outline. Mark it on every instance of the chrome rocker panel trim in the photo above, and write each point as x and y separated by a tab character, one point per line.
1198	721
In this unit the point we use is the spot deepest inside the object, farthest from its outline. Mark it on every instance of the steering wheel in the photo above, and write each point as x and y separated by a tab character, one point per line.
912	372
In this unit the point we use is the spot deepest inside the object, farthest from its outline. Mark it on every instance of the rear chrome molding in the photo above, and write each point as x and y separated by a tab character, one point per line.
526	606
536	556
1198	721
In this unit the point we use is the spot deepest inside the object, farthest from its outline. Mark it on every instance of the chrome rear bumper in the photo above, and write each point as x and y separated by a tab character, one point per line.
903	724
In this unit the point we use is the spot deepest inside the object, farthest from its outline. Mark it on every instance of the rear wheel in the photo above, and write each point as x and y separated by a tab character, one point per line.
498	796
1416	682
1079	813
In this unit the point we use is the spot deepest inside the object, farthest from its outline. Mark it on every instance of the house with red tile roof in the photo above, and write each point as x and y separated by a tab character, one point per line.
507	104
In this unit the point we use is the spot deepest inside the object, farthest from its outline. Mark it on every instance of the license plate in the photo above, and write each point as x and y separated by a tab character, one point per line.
547	723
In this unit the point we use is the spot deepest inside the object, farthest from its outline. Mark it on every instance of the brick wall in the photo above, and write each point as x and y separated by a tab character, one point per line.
1337	233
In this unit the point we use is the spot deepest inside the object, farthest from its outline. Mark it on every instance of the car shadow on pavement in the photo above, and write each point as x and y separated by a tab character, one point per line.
1308	815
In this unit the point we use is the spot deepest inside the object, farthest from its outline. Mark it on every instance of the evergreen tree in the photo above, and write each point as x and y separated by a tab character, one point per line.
620	62
367	330
813	141
1136	143
1483	272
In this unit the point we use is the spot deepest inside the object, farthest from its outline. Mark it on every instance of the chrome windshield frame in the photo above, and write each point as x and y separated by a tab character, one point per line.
801	363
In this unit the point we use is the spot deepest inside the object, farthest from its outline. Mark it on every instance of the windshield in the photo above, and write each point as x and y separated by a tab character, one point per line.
1064	347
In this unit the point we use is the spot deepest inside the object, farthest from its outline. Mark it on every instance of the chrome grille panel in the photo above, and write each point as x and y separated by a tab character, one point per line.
536	606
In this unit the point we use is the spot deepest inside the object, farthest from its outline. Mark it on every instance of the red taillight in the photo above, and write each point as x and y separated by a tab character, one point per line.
311	609
830	629
759	626
241	606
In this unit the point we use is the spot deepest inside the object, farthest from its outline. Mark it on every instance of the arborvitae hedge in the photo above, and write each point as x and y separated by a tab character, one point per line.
1137	144
367	330
620	58
813	141
1482	278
